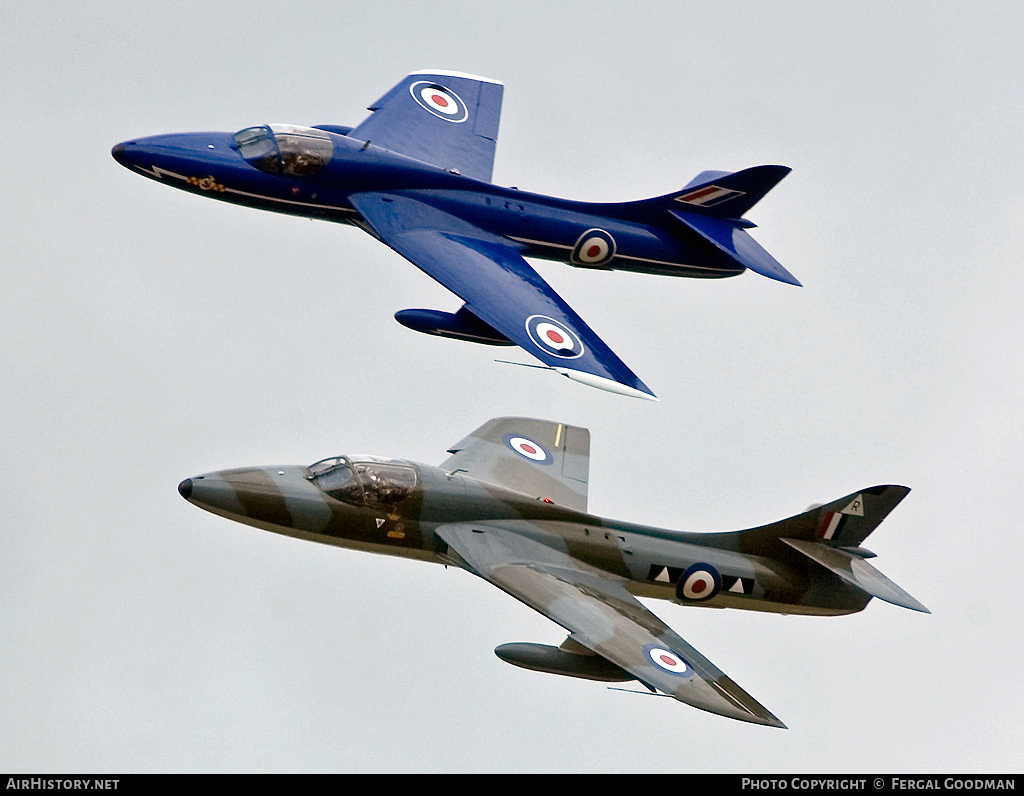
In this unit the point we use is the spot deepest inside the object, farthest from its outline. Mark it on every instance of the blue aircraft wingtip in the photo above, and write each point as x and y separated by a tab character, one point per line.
609	385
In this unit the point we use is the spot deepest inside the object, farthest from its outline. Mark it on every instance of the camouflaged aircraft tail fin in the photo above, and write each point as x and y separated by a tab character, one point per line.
842	523
848	521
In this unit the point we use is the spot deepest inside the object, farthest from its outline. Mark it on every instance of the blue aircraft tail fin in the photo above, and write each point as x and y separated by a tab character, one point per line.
448	119
728	195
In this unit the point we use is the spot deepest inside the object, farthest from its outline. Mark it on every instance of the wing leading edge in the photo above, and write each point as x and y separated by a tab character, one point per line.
499	287
603	616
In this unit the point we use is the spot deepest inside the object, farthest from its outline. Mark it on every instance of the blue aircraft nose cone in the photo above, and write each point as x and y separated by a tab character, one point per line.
118	153
185	487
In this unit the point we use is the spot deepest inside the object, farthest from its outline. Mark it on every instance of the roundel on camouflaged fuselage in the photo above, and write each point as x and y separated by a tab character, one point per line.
699	582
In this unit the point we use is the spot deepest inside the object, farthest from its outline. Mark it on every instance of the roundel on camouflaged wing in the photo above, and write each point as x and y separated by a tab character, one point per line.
440	101
528	449
699	582
595	247
553	337
668	661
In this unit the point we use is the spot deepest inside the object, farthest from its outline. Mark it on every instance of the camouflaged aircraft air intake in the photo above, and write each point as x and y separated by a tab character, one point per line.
510	505
416	175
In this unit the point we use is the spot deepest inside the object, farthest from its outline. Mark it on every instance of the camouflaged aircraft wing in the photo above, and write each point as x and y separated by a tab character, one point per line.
602	615
536	457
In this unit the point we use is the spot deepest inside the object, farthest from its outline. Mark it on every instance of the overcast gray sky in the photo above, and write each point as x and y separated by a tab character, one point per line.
149	335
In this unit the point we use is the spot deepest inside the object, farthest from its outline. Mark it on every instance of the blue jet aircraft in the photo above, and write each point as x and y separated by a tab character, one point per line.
416	175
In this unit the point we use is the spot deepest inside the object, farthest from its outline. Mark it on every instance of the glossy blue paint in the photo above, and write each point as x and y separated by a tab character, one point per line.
416	174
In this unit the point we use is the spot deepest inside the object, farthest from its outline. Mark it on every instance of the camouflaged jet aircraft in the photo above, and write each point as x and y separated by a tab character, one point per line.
416	175
510	505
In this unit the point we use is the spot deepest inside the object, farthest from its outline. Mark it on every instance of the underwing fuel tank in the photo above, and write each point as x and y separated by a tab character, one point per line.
571	659
462	325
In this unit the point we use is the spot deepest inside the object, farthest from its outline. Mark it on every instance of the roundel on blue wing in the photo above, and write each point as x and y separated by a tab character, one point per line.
553	337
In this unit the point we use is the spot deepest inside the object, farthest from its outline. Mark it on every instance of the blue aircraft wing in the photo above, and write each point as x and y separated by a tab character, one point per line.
499	287
447	119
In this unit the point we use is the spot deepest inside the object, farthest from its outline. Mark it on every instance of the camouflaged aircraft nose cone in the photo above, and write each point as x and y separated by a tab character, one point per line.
185	488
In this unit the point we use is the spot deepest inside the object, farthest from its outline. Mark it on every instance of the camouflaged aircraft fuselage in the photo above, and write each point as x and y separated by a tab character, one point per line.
764	575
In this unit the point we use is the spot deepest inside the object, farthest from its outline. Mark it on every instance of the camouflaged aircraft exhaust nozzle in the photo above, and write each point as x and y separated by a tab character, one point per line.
510	506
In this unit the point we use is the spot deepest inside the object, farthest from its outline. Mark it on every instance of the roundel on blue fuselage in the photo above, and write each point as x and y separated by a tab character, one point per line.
594	248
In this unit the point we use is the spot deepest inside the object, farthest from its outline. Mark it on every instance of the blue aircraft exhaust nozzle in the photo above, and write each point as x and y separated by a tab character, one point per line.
461	325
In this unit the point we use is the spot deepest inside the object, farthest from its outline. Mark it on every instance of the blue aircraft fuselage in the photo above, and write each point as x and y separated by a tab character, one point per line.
545	227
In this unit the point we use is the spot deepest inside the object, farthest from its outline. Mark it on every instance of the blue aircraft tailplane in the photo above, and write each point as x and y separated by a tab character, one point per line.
734	242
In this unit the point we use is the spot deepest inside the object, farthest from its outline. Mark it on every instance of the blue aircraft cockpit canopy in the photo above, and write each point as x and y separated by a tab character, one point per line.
285	149
364	480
